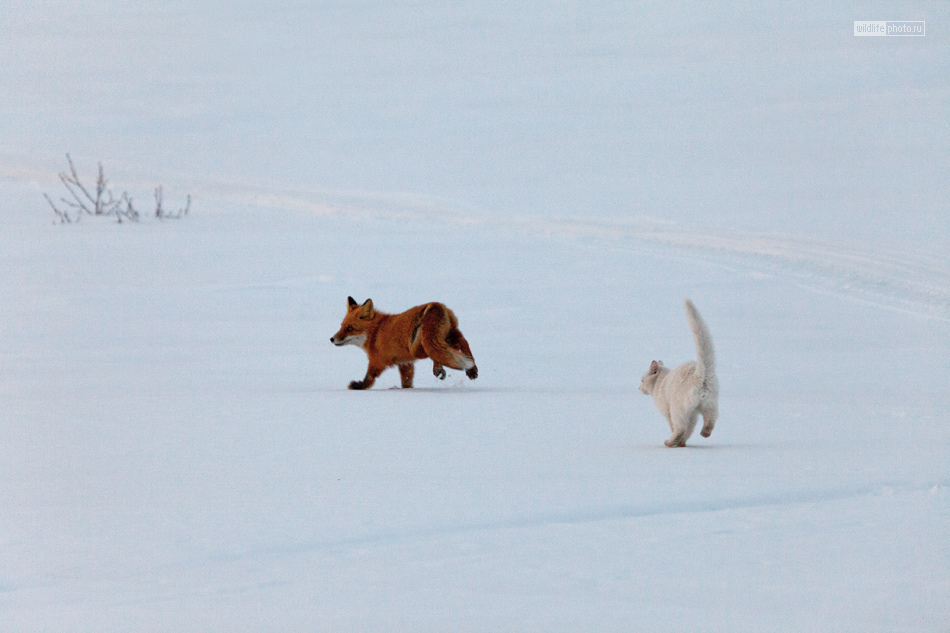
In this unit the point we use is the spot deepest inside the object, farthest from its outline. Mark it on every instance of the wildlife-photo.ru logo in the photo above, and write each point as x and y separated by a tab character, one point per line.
893	28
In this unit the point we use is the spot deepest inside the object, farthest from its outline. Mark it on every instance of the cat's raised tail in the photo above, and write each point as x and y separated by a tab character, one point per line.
705	353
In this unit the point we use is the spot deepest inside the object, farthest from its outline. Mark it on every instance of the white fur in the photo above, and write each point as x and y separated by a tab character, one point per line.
688	391
464	361
356	339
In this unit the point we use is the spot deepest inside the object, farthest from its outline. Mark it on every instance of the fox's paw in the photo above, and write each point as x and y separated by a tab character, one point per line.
357	384
706	432
439	372
472	373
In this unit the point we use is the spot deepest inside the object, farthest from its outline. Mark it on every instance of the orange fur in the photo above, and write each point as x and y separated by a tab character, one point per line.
426	331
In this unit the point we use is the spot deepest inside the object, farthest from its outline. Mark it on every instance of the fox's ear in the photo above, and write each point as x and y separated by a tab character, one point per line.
655	367
367	309
351	303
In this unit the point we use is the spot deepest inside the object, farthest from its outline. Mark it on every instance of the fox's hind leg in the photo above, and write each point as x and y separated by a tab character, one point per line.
443	356
406	372
444	343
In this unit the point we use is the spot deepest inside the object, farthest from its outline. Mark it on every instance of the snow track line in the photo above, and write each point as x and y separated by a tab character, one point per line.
909	283
900	282
915	284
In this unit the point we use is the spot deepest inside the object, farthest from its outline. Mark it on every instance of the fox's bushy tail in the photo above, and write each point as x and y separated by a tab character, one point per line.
705	353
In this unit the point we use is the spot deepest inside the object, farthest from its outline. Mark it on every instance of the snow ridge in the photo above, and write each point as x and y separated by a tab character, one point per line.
910	283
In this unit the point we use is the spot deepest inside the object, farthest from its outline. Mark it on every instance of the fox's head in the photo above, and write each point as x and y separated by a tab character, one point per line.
648	382
356	323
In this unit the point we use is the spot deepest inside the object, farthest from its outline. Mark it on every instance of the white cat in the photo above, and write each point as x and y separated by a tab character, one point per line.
683	393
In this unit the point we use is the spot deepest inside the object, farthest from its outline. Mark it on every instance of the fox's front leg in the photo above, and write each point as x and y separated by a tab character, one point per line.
406	372
372	373
438	370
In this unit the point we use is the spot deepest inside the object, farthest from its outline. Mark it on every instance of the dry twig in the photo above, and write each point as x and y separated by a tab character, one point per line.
103	202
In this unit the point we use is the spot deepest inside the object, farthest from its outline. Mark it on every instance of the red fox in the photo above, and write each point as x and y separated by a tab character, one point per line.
426	331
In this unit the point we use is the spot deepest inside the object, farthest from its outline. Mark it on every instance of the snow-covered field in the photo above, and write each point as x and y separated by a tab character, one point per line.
178	451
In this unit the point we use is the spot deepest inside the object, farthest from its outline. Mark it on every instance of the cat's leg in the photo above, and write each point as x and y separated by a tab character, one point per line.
669	422
691	424
710	414
677	440
682	421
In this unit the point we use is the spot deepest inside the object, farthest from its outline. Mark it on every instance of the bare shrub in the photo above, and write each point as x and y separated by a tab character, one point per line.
160	211
103	202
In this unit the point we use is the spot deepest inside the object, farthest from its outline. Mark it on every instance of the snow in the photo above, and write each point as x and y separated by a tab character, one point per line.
179	450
